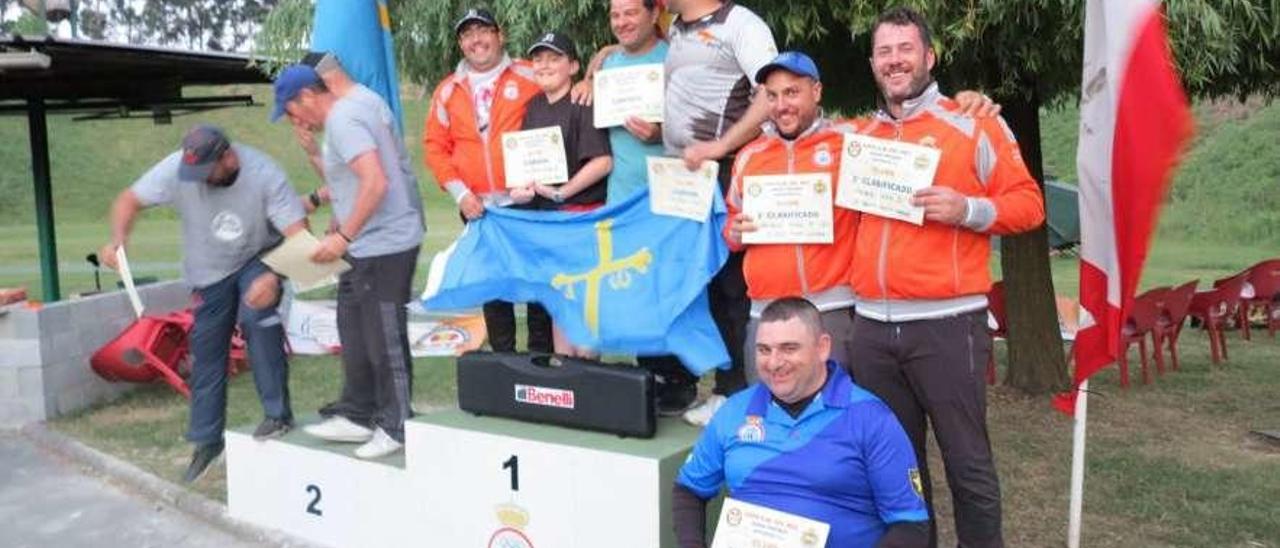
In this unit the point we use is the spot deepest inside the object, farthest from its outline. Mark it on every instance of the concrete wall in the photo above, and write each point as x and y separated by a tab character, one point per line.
44	353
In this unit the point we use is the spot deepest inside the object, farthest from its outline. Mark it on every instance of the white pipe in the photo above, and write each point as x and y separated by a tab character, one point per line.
24	60
1077	466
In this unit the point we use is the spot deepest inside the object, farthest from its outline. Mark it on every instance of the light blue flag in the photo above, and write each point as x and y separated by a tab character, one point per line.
359	33
617	279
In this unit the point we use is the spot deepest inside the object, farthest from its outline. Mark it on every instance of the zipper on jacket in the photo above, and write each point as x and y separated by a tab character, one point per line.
955	259
882	265
791	170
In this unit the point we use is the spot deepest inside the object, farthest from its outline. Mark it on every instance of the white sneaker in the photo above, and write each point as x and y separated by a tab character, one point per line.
701	415
340	429
380	446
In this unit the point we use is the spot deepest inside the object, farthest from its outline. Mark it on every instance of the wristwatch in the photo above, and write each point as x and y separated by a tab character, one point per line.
557	197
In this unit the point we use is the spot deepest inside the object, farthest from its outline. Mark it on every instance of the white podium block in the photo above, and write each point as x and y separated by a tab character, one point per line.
319	491
501	483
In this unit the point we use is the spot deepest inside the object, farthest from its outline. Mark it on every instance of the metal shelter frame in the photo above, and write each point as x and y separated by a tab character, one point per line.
97	80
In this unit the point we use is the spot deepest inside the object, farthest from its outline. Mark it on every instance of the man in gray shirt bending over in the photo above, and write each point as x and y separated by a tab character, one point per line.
235	203
379	228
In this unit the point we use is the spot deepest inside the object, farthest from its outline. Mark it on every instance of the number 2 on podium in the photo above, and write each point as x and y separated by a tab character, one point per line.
514	464
314	507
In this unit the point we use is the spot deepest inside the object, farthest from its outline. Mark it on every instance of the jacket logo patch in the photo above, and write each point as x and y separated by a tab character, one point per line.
511	92
917	484
929	141
822	157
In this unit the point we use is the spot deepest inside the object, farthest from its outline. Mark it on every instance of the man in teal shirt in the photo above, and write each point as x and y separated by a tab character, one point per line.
635	25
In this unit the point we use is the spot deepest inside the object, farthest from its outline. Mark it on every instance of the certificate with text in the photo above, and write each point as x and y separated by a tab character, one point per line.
788	209
620	93
879	176
534	156
677	192
745	525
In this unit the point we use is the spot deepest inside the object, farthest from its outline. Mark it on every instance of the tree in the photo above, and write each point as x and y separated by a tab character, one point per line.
1026	53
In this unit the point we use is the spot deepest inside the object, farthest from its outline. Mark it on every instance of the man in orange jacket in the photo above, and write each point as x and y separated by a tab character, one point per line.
470	110
796	140
919	335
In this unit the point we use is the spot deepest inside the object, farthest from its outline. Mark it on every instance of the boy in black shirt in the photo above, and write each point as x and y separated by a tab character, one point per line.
555	62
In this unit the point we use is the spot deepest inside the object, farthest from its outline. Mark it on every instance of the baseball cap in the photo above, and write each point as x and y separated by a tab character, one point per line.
557	42
202	146
791	61
475	14
289	84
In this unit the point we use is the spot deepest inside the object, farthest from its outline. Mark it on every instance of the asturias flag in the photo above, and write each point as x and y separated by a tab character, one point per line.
617	279
1134	121
359	33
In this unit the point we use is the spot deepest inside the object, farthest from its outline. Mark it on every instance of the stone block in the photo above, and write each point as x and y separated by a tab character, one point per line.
15	353
56	317
9	384
31	382
19	322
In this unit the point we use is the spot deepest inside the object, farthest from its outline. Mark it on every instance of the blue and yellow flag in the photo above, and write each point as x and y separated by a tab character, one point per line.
618	279
358	32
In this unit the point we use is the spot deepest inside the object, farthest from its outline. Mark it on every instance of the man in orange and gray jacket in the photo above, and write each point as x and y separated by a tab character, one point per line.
919	337
469	111
796	140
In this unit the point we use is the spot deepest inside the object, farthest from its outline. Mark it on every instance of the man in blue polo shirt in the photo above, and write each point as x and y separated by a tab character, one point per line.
806	441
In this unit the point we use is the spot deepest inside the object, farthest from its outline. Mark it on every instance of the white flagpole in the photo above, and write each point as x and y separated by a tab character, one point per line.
1077	465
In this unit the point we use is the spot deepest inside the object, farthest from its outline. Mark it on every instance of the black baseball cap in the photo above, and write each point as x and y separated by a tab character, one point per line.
202	146
479	15
557	42
321	61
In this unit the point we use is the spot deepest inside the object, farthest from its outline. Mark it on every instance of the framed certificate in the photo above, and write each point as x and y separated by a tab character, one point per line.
788	209
534	156
619	93
677	192
744	525
879	176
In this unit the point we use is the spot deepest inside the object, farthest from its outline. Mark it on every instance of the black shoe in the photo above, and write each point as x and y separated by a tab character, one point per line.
675	399
201	459
272	428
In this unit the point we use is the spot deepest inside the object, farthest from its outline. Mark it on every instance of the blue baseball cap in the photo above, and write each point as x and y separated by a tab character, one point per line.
289	84
791	61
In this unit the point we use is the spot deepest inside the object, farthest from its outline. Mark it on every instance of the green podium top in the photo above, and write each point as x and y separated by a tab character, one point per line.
672	436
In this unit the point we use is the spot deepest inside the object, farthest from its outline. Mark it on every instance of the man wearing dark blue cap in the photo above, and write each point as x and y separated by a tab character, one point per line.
235	203
379	227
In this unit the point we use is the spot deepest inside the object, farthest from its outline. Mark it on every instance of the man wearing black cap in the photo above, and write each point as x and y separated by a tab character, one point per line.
469	111
234	203
378	230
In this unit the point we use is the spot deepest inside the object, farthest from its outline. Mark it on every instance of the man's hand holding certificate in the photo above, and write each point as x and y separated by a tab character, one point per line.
621	93
677	192
534	156
880	176
788	209
745	525
293	259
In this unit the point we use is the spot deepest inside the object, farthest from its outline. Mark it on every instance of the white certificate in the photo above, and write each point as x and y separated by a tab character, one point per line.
677	192
788	209
293	259
745	525
879	176
619	93
534	156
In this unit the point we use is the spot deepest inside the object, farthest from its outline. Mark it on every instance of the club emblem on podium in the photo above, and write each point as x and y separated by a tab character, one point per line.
511	534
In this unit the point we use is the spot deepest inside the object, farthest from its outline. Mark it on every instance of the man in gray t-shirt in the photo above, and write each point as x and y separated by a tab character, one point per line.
235	203
378	228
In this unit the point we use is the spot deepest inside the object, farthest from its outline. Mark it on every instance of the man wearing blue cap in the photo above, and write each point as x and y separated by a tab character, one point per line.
235	203
379	227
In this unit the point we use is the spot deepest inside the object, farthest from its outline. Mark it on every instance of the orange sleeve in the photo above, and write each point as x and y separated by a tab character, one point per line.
1018	201
438	143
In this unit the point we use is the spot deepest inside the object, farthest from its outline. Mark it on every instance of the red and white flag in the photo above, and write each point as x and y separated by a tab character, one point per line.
1134	122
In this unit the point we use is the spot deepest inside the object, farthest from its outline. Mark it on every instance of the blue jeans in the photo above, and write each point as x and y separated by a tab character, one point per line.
221	306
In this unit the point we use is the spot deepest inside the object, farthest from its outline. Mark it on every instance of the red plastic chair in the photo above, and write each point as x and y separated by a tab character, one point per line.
1140	323
156	347
1238	313
996	307
1265	279
1173	316
1215	309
